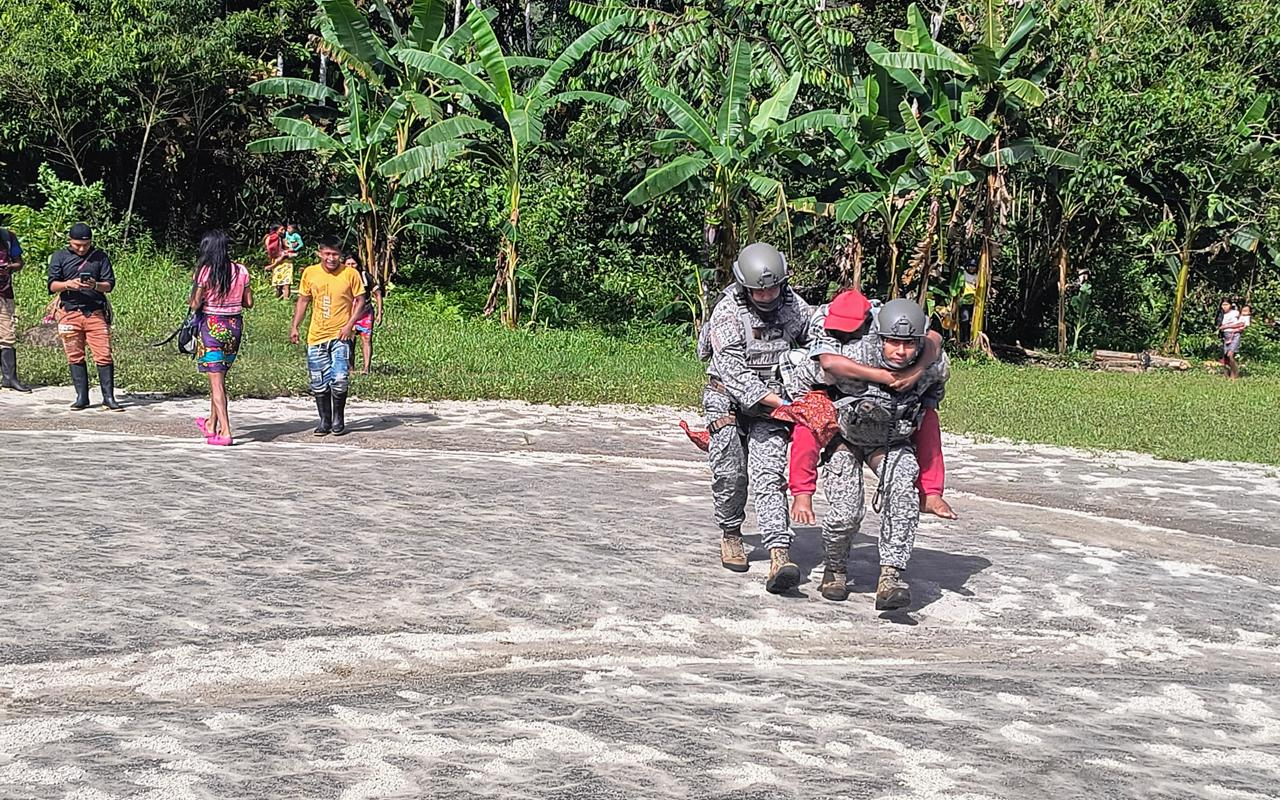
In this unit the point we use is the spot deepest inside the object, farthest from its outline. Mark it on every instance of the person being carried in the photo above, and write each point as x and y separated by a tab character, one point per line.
756	321
292	241
875	427
835	328
282	272
338	301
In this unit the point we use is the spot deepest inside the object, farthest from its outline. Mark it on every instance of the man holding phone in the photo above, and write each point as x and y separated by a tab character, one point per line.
82	276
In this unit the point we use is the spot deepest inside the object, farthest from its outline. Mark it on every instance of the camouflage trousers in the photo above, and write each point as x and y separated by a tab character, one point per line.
751	454
899	516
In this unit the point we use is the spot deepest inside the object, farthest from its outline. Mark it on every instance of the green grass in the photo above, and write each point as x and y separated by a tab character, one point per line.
425	353
1198	415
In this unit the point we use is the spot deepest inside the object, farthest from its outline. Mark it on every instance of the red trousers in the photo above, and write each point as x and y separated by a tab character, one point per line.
803	467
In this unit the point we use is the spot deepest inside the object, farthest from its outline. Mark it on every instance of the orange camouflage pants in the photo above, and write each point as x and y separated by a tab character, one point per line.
76	329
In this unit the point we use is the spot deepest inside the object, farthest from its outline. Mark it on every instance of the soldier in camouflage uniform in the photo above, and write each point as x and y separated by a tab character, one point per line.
876	425
755	323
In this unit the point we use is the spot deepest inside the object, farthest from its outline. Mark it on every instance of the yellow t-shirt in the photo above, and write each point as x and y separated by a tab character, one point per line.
332	295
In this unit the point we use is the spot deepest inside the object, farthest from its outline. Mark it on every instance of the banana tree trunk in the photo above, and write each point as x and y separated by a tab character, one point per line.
1062	295
893	270
1179	294
984	268
504	274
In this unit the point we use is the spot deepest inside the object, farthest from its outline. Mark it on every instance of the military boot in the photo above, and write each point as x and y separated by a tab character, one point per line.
892	592
783	574
834	585
733	556
835	576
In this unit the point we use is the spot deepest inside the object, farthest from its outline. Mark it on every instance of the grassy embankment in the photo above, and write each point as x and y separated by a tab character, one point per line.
423	354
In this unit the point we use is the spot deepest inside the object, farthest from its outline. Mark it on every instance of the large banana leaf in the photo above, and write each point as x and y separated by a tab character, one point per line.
666	178
285	144
737	86
907	213
923	62
820	120
439	65
351	28
302	129
903	77
1024	90
418	162
572	54
390	119
853	209
974	128
355	117
452	128
489	52
294	87
919	139
777	108
1027	22
1026	150
527	126
428	22
690	122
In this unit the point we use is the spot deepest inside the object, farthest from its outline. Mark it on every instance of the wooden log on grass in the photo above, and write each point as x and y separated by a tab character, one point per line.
1116	361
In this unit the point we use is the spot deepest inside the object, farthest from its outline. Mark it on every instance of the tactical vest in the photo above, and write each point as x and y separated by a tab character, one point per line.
765	347
877	418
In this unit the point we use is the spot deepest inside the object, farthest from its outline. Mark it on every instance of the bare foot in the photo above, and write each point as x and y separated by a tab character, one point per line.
935	505
802	510
364	372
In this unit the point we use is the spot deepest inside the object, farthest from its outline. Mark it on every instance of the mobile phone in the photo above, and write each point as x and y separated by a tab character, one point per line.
87	277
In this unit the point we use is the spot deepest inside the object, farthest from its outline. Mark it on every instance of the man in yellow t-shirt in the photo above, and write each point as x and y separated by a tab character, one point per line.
338	294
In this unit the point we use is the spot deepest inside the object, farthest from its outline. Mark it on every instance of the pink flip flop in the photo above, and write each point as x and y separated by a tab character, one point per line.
219	441
203	424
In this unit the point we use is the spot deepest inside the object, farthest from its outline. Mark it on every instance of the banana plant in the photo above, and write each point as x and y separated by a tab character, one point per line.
502	125
380	107
725	158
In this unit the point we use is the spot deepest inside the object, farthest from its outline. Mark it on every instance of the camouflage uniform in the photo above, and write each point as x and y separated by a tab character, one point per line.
876	427
742	348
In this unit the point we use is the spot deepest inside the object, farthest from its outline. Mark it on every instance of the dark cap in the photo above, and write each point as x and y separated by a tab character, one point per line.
80	231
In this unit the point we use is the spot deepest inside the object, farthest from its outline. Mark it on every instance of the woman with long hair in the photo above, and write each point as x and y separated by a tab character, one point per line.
221	294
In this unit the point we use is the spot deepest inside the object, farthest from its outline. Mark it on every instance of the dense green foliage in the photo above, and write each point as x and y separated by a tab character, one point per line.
1126	146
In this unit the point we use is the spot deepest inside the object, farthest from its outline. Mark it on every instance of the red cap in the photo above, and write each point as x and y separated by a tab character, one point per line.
847	312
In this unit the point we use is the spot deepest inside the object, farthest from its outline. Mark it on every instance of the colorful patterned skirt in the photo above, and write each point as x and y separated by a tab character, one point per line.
218	342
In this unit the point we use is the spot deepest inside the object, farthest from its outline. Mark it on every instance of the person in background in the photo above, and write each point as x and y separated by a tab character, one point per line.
1230	328
274	246
282	272
222	293
292	241
10	262
372	314
338	301
82	276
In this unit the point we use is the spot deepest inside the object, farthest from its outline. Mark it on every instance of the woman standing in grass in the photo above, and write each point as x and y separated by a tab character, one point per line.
372	314
221	294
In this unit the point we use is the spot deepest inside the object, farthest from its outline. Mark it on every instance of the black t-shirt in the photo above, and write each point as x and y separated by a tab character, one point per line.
65	265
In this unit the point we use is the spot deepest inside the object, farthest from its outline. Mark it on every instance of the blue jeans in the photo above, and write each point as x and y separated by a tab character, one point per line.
330	366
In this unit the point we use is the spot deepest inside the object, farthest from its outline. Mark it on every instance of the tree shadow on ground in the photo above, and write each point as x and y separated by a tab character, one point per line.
929	573
355	424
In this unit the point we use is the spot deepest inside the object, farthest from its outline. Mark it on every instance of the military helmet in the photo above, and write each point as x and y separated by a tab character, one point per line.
760	266
902	319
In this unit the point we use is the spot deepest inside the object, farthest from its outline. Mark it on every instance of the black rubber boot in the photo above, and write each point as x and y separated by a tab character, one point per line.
107	383
9	370
80	380
339	413
324	405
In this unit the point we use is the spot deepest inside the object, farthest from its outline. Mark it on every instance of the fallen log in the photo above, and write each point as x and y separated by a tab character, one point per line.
1117	361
